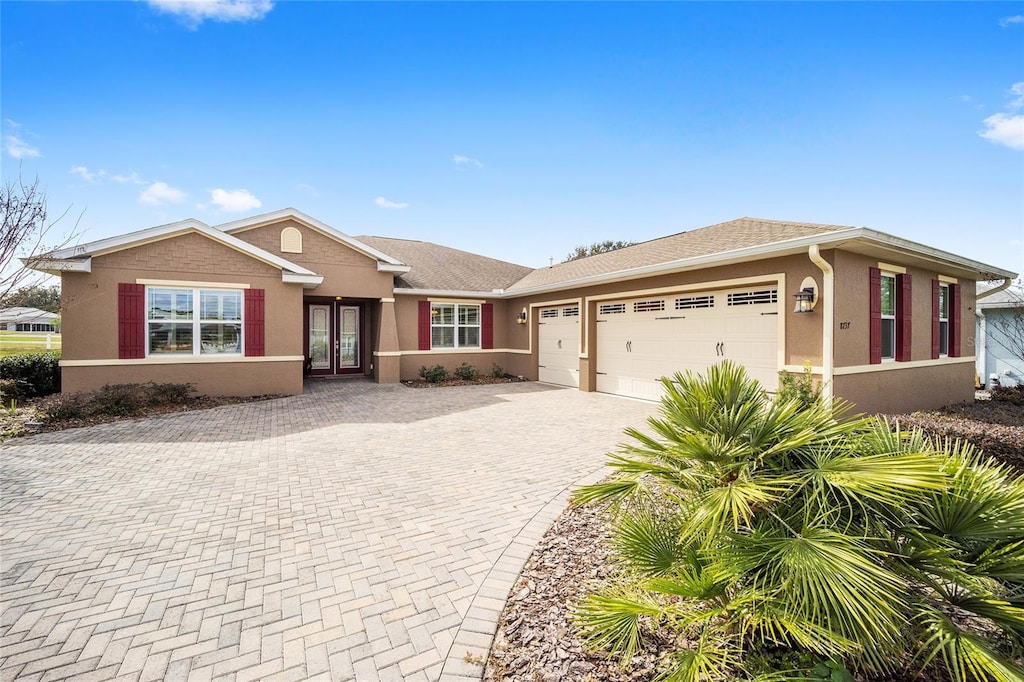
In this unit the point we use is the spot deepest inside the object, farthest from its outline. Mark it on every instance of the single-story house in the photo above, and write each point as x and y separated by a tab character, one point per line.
28	320
1000	333
250	306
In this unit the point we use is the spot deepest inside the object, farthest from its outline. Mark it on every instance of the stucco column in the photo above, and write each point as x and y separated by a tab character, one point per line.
386	357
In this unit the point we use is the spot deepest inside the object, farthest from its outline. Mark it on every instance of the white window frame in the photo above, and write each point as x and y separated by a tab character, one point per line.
456	325
944	320
196	321
889	318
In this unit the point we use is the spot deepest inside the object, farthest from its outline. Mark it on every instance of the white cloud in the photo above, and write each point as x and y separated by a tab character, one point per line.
460	160
86	174
1010	21
132	179
160	193
17	148
387	203
234	200
1007	128
195	12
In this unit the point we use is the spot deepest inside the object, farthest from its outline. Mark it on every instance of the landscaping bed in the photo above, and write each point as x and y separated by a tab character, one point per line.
421	383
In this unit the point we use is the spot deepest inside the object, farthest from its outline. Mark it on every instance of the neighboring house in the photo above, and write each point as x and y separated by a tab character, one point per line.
1000	333
28	320
248	306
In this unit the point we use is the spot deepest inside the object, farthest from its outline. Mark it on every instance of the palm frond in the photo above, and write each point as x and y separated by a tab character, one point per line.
967	656
614	490
648	541
712	657
1002	561
611	619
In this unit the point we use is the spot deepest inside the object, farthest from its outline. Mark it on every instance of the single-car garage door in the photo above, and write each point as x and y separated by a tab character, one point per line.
558	331
640	340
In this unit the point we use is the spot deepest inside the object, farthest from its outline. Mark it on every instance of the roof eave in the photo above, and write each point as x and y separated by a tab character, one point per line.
389	267
56	266
307	281
451	293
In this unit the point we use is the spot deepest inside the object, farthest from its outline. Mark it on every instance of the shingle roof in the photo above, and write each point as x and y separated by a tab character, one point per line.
26	315
734	234
1013	297
439	267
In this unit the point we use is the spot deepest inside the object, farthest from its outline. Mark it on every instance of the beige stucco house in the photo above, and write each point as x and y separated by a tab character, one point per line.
251	306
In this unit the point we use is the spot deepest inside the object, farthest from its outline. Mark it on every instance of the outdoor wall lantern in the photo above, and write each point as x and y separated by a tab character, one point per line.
521	318
807	297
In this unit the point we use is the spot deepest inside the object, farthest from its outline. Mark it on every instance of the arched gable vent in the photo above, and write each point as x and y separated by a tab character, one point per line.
291	240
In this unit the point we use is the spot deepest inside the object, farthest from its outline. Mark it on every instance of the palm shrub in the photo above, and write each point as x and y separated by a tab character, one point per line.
752	530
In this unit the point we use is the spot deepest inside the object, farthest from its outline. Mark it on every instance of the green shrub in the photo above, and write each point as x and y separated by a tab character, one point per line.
497	372
799	387
465	372
435	374
119	400
32	374
169	394
743	523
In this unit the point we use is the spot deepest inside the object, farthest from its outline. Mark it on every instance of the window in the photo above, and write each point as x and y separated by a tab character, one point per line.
454	325
888	316
193	321
943	319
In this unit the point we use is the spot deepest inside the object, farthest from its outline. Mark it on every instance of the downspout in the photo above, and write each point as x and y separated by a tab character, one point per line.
828	315
995	290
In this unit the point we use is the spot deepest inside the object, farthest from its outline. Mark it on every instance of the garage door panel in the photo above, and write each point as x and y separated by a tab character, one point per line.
691	333
558	334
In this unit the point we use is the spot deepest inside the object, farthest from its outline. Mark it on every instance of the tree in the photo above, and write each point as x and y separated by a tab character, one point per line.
583	251
26	232
34	296
759	534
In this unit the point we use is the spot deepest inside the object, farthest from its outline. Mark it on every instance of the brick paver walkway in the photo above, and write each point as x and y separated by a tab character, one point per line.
358	532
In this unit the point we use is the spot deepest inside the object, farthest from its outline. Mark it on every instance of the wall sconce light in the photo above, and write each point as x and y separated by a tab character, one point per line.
807	297
521	318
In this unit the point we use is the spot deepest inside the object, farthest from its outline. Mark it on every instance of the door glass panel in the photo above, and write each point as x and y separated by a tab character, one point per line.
320	336
349	337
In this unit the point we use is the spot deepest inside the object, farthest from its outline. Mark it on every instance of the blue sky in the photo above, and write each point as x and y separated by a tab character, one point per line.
519	130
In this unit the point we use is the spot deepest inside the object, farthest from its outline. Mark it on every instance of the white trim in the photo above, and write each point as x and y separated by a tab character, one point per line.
448	293
828	321
390	267
462	351
387	300
947	280
895	269
311	280
182	360
465	301
55	266
387	353
184	283
892	366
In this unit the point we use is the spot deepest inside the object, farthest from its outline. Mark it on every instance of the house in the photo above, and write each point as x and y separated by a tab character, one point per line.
249	306
28	320
1000	333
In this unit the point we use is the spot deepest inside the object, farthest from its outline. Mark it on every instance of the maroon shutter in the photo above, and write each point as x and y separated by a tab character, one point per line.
954	320
487	325
904	313
875	314
424	325
131	321
936	327
255	323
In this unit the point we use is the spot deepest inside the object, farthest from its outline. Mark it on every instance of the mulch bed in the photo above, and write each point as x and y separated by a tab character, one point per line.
479	381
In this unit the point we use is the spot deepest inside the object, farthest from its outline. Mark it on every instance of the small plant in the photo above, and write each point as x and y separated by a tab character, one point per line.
833	670
168	394
466	372
800	387
13	407
119	400
64	406
497	372
435	374
1013	395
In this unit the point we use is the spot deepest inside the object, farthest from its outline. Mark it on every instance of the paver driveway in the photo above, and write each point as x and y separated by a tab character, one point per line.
356	532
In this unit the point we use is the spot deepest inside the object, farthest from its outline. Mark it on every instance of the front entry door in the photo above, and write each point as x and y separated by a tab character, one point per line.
334	345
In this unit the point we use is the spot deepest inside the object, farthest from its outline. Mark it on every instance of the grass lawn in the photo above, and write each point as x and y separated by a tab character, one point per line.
15	343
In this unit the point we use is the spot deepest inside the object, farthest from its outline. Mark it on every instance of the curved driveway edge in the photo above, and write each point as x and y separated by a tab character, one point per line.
359	531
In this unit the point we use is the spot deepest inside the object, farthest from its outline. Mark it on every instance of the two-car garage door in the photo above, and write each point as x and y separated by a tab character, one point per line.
640	340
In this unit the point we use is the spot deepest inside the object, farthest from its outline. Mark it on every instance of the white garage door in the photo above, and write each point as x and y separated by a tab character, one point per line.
643	339
558	345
